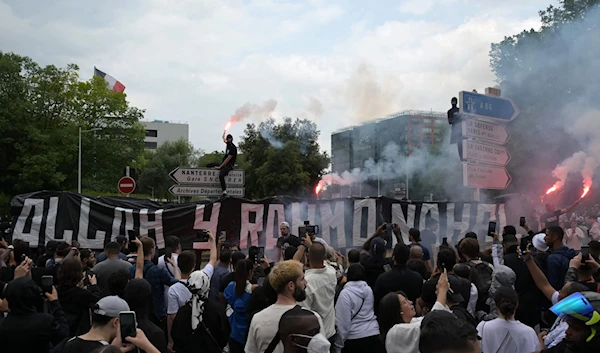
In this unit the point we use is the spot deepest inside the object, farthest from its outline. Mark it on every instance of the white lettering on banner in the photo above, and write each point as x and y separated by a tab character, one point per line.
435	214
404	223
248	229
118	219
452	224
33	237
84	225
358	209
481	226
271	238
157	225
335	220
297	219
51	219
210	225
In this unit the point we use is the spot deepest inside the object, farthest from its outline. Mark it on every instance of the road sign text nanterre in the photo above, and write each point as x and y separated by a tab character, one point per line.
206	176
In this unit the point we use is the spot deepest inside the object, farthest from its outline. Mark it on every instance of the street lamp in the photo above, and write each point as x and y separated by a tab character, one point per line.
79	164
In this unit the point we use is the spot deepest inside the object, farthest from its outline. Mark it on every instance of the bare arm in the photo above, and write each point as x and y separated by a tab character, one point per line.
367	245
300	253
139	263
225	161
170	319
213	250
571	207
539	278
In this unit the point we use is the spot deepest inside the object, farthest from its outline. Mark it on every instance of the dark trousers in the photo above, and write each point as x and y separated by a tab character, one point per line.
223	172
361	345
235	346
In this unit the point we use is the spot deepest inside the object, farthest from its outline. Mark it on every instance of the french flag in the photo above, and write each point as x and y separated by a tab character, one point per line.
112	83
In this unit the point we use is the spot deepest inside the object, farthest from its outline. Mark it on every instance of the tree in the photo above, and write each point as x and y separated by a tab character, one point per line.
168	156
41	111
283	159
548	73
216	157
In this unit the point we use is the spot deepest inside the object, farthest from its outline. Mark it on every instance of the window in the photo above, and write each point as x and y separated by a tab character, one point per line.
426	130
151	133
426	121
150	145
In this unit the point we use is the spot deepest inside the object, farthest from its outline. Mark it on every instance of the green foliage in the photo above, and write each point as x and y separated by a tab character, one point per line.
216	157
282	159
159	163
41	112
548	73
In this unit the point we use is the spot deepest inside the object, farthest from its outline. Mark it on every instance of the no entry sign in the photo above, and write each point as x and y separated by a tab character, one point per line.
126	185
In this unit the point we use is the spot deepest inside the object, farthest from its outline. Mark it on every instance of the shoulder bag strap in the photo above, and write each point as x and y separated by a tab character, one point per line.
211	336
359	309
275	340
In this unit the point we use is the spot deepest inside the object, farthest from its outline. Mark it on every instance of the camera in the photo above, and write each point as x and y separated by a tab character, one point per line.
202	235
307	228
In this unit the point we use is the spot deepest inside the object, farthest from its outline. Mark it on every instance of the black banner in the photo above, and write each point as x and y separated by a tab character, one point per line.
344	223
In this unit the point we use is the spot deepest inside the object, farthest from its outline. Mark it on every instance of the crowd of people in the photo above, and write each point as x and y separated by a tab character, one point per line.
536	292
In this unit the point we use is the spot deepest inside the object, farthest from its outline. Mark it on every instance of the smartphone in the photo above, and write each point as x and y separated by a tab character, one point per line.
128	324
260	281
132	234
387	268
445	241
167	253
491	229
585	252
522	221
524	244
223	236
47	283
261	254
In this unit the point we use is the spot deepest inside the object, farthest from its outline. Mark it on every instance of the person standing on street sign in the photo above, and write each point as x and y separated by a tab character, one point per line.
228	161
455	121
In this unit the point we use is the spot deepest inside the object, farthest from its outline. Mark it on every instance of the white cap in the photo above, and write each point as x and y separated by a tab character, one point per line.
539	243
285	224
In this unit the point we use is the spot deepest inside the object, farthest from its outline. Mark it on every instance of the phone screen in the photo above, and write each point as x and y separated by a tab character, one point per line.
491	229
223	236
522	221
260	281
128	324
132	234
167	253
261	253
47	283
585	253
387	268
524	243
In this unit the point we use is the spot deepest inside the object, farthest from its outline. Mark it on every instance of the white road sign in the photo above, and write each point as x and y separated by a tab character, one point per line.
206	176
184	190
488	154
483	130
485	177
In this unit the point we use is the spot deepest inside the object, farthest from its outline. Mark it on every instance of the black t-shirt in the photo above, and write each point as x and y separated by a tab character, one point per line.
77	345
230	151
550	219
292	240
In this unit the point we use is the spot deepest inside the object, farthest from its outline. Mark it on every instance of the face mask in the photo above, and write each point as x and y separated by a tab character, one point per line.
318	343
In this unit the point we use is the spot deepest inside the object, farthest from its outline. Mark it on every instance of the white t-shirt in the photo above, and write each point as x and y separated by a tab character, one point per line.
179	294
264	327
501	335
320	296
169	268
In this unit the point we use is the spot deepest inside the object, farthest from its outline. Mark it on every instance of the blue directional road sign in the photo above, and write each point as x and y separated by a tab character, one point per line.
487	107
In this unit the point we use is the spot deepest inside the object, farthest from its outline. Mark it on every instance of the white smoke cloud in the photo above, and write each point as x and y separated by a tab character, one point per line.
254	111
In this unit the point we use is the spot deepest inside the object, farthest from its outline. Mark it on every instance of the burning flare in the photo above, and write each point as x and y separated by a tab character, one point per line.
551	190
228	125
585	191
318	189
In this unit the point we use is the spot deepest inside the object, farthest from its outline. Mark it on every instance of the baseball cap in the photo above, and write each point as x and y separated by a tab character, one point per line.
229	136
285	224
539	243
63	248
594	244
110	306
121	239
51	247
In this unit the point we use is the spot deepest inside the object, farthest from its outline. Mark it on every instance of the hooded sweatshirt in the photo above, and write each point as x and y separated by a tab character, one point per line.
558	264
354	313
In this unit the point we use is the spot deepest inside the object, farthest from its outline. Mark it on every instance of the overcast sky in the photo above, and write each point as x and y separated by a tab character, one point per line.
336	62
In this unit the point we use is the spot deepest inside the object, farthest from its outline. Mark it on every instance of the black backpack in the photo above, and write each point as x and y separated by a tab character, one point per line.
481	277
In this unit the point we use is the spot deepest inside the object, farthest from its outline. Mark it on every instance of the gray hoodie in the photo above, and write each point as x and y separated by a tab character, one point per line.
354	314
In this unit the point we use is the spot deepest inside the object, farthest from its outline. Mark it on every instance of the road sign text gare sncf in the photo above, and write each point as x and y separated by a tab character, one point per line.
206	176
487	107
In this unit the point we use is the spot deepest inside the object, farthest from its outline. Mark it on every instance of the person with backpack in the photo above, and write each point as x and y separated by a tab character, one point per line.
480	273
355	320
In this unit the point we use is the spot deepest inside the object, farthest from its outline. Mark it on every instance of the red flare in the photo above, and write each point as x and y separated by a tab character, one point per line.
552	189
585	191
228	125
318	189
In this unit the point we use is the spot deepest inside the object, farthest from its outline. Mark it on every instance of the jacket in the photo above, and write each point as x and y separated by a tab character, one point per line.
558	264
239	319
400	278
188	341
77	303
354	314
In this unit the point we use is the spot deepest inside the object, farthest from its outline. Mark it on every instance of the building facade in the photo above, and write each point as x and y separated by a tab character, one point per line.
410	130
161	131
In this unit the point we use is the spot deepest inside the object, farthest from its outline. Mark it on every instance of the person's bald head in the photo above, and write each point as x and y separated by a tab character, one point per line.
297	321
416	252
